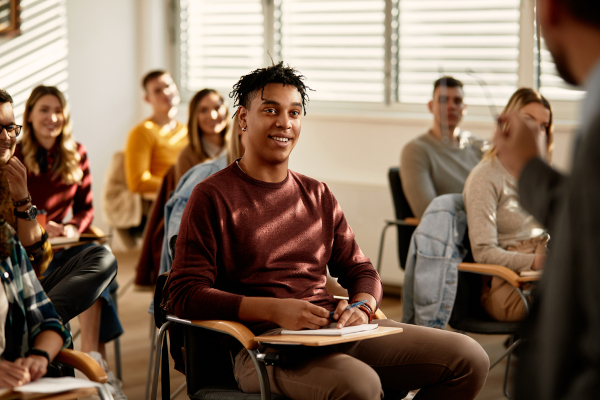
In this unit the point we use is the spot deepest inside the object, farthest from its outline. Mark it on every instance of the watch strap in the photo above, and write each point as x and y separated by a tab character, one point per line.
27	213
37	352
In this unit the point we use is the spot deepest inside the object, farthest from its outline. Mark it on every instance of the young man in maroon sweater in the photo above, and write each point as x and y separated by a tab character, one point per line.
254	245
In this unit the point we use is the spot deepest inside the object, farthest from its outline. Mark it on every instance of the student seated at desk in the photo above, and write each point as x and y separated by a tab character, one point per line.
500	230
55	171
254	245
27	345
28	320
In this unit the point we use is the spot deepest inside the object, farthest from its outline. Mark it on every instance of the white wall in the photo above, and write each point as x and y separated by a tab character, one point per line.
103	81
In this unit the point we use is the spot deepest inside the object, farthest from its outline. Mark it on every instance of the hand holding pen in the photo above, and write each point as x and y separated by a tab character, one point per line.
347	316
351	305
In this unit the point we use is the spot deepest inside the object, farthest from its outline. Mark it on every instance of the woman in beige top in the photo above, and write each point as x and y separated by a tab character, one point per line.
500	230
209	129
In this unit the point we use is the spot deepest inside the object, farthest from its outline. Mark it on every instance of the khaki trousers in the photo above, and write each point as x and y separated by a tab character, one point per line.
445	365
498	297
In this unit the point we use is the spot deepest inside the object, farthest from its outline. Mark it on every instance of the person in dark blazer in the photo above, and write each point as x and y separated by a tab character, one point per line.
562	359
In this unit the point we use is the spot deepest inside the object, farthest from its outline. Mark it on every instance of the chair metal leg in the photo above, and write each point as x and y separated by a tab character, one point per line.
150	360
117	341
157	350
263	377
104	392
179	390
381	242
507	352
505	385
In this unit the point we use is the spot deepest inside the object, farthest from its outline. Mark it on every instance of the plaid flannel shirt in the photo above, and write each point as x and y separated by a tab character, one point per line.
30	311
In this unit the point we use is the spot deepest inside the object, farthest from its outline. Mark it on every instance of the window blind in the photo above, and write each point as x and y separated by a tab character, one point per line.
552	86
441	37
220	41
38	55
338	45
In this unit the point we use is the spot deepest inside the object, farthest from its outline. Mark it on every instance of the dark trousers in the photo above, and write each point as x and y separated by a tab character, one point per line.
76	279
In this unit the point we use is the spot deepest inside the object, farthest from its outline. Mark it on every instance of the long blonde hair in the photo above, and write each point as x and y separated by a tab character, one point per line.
520	99
234	146
194	132
66	164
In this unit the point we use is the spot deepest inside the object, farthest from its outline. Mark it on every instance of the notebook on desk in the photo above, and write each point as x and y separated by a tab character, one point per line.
332	330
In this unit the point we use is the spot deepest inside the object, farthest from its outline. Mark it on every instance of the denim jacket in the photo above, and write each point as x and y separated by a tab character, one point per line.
176	204
431	271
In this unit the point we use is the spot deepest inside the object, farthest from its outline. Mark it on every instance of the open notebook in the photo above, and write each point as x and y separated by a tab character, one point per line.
331	330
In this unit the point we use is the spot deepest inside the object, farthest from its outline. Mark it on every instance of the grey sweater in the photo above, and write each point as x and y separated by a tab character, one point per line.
495	217
430	168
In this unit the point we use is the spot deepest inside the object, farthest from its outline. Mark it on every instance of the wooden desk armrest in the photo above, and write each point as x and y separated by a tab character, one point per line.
410	221
94	230
494	270
379	314
232	328
83	362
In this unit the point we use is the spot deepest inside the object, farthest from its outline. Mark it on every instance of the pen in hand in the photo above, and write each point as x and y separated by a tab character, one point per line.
352	305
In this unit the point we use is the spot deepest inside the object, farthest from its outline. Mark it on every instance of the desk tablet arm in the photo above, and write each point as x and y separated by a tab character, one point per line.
501	272
84	363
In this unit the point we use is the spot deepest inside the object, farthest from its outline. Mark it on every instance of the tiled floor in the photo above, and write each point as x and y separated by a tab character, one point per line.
135	343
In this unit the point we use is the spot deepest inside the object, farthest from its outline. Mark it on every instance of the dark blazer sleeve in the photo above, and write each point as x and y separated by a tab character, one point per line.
540	188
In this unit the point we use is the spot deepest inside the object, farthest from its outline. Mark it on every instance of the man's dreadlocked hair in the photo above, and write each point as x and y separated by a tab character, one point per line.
245	89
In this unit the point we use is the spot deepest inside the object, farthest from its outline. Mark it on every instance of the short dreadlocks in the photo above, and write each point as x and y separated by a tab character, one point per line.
245	89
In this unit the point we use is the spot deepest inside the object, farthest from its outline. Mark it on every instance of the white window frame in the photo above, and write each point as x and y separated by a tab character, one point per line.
565	112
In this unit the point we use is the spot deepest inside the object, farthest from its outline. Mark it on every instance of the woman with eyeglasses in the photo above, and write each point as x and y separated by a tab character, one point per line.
501	232
59	182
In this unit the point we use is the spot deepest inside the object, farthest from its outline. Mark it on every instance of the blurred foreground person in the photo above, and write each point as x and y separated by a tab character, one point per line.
561	361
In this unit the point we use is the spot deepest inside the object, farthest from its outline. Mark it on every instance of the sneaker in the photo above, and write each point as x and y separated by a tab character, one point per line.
114	385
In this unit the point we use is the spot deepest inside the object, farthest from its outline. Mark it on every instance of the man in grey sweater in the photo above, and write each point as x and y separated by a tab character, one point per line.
439	161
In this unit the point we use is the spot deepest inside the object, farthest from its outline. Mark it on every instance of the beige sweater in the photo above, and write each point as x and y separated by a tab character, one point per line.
496	219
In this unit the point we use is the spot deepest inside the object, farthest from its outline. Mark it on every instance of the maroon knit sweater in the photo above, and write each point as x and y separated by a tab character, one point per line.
51	194
243	237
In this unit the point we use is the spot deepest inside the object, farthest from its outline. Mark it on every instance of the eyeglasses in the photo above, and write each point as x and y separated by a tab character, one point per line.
12	129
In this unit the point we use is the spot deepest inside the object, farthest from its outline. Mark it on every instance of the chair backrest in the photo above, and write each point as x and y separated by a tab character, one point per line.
403	211
207	356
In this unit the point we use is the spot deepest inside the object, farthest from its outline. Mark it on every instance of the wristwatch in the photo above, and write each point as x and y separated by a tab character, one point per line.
37	352
28	214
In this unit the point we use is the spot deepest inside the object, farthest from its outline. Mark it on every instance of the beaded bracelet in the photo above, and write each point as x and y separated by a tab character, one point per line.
366	310
20	203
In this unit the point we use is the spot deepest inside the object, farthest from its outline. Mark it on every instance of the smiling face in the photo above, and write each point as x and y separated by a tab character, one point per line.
7	144
273	124
47	119
539	116
212	114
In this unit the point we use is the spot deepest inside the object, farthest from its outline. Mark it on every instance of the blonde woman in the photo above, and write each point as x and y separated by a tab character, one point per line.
208	131
500	230
59	182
